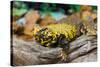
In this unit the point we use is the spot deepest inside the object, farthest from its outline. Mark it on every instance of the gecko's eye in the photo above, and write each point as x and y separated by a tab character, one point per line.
62	40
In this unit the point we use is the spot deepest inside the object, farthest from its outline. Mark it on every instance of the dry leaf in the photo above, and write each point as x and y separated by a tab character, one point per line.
31	19
47	20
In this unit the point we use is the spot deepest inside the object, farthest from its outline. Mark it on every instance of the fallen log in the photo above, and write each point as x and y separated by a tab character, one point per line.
31	53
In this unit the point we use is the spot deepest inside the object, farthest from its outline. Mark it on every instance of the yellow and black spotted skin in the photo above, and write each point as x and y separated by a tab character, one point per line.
56	35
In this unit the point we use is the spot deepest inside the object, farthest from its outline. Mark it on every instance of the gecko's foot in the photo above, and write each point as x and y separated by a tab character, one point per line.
63	56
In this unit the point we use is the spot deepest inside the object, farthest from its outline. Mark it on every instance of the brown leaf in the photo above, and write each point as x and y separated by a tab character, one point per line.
48	19
31	18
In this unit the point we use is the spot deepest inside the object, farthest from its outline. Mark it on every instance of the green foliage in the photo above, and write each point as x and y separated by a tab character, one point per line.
94	7
19	8
18	12
45	7
75	8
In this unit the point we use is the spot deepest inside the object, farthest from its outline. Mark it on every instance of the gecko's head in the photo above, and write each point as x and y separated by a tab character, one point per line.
62	41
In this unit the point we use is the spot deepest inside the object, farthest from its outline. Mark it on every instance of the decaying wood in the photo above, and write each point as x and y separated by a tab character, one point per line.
90	57
83	49
25	53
